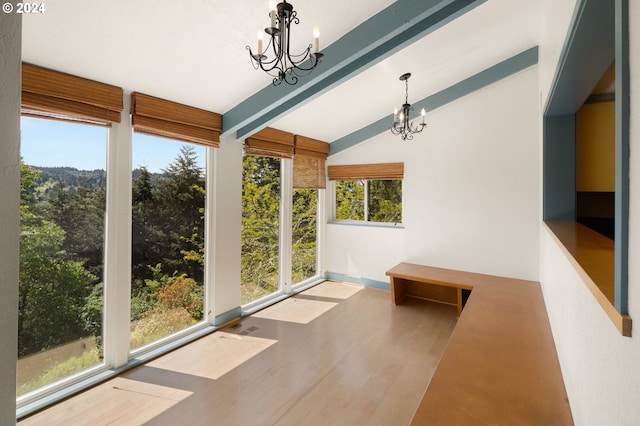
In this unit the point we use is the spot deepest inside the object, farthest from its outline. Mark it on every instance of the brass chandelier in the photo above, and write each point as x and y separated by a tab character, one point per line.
284	66
401	124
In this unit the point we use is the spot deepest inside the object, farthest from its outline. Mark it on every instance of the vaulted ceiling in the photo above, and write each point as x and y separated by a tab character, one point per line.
193	52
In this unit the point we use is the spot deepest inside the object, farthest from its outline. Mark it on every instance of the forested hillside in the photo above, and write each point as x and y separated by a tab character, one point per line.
62	215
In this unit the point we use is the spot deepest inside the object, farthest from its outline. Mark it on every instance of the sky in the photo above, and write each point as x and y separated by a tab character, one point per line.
52	143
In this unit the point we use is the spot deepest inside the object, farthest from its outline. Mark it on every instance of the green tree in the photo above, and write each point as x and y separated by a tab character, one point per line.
52	289
148	235
385	201
260	226
80	211
304	234
180	197
350	200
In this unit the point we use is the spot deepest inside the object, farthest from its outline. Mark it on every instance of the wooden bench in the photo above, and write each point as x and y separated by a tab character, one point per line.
500	365
408	279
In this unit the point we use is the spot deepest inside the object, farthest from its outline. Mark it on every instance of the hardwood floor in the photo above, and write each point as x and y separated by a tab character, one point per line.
335	354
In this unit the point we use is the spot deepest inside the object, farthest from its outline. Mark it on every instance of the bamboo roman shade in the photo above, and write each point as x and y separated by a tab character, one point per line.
382	171
172	120
59	95
309	163
270	142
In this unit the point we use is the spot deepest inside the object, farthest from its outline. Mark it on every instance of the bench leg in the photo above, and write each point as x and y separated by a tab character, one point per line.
398	290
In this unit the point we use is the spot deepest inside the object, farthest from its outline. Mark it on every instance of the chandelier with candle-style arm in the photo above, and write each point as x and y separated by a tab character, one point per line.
401	124
284	66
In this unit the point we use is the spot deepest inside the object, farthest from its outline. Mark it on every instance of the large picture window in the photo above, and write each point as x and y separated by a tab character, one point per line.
62	213
65	129
309	178
261	192
168	215
304	248
168	208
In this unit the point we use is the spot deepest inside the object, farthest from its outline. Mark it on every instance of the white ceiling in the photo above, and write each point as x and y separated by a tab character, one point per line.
193	52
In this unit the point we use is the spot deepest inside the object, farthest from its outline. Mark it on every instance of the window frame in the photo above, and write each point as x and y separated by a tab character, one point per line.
365	221
206	320
62	384
284	215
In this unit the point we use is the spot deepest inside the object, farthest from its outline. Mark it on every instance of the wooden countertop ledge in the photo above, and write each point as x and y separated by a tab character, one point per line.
500	366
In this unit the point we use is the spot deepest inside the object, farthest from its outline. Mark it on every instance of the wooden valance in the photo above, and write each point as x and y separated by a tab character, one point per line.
172	120
59	95
382	171
270	142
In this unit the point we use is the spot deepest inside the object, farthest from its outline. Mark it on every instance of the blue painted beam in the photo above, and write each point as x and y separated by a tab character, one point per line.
395	27
482	79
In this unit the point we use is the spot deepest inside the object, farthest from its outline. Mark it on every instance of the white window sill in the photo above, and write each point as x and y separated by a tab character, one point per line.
369	224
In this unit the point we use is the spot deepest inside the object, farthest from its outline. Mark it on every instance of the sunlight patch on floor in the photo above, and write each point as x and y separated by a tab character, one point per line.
334	290
218	355
301	311
149	399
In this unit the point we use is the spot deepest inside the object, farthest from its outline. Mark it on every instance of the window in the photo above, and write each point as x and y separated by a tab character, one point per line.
62	214
368	192
304	245
260	227
168	215
63	256
168	210
262	167
309	178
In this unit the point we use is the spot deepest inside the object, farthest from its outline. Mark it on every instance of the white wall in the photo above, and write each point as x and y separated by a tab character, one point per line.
10	38
227	222
601	368
470	192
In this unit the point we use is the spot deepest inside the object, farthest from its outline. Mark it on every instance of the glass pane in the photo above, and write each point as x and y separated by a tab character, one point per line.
260	227
350	200
62	209
385	201
303	262
167	282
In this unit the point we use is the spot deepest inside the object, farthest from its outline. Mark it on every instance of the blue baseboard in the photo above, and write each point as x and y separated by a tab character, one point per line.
358	280
227	316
